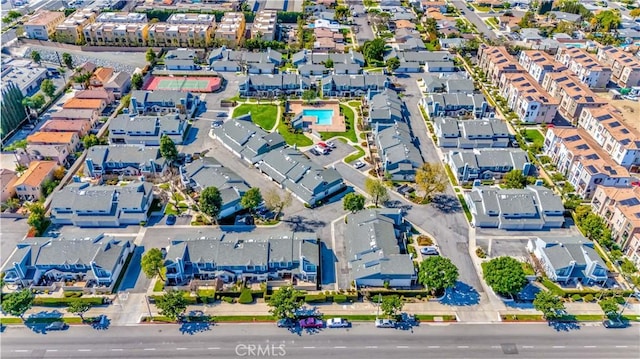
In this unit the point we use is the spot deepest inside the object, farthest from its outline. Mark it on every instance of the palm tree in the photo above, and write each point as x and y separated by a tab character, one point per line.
83	78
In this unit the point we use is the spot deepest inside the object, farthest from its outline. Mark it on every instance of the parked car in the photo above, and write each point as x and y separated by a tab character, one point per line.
311	322
286	323
331	144
614	324
429	251
409	319
56	326
338	323
314	152
358	164
171	220
385	323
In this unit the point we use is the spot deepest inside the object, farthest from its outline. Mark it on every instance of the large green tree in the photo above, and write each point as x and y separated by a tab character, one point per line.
373	50
377	190
150	56
391	305
17	303
514	179
392	64
211	202
36	57
152	263
172	304
137	81
353	202
168	149
609	306
67	59
437	274
431	179
48	88
549	304
505	275
275	202
37	218
606	20
284	302
251	199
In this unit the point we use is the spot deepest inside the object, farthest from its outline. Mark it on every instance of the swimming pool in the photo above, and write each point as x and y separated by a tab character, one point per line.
323	117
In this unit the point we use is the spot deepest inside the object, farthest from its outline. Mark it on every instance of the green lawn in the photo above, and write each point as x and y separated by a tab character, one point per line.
354	103
355	156
263	115
533	135
350	122
481	8
293	138
465	208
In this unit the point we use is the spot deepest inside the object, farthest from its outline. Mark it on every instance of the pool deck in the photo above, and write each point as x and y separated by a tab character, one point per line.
338	123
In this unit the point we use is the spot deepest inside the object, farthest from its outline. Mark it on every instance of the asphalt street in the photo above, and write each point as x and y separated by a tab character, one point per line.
475	19
360	341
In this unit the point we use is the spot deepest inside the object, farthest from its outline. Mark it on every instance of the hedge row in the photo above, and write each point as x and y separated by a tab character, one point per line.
402	293
571	293
65	302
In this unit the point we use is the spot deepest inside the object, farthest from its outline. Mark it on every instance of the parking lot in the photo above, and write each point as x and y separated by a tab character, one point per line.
338	153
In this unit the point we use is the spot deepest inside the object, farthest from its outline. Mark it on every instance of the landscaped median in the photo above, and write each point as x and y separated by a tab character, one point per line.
567	318
268	318
30	321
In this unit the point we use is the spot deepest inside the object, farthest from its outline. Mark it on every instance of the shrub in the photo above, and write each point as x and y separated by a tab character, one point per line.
425	240
588	298
72	294
315	298
65	302
620	300
228	299
245	296
576	297
480	253
339	298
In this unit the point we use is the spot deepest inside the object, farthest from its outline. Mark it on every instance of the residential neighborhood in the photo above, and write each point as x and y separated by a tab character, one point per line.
255	169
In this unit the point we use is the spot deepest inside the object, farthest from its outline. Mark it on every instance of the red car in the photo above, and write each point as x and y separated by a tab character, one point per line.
311	323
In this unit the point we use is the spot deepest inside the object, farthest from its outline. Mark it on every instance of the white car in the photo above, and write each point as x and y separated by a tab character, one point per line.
358	164
337	323
385	323
330	144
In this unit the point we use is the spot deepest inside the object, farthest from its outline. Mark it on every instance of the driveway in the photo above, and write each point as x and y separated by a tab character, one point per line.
341	151
364	31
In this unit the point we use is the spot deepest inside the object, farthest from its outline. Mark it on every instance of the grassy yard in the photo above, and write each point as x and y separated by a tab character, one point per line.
355	156
293	138
354	104
350	122
481	8
533	135
263	115
492	21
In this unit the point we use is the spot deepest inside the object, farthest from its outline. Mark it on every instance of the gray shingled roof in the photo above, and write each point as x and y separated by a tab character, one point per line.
385	107
100	155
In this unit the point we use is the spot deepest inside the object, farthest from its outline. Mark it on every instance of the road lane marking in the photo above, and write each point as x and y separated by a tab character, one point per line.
558	346
213	348
116	350
590	346
622	346
309	347
181	348
52	350
371	347
463	347
433	346
22	351
402	347
340	347
495	347
84	350
527	346
149	348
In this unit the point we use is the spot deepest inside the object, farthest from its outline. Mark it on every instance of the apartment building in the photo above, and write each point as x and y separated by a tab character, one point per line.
495	61
620	209
572	94
581	159
585	66
118	29
625	67
70	30
265	25
231	28
180	35
192	19
42	24
527	98
538	63
609	129
29	185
